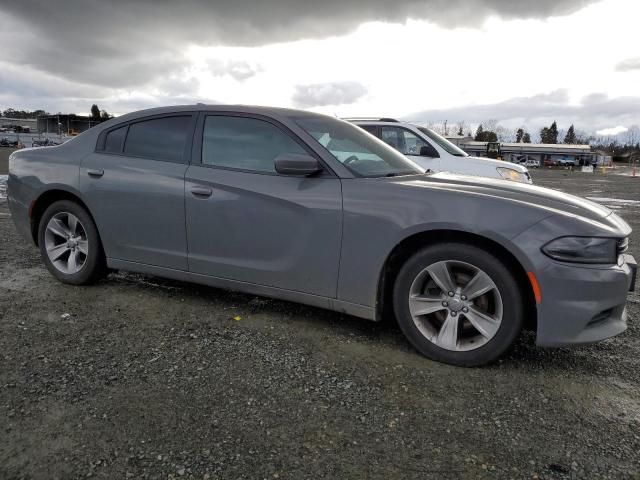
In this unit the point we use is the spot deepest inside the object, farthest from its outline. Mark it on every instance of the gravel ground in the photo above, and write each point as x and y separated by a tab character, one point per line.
139	377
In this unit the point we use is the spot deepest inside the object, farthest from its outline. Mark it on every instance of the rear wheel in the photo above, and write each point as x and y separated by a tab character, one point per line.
70	245
458	304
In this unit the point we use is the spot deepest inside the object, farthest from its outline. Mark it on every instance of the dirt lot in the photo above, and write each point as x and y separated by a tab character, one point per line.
145	378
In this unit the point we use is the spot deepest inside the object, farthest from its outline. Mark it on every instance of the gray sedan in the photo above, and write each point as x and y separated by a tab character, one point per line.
311	209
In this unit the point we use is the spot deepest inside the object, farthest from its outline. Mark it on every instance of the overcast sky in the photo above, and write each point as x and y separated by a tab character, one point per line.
521	62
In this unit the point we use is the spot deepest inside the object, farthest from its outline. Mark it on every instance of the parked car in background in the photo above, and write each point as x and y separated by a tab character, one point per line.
437	154
567	162
309	208
5	142
531	163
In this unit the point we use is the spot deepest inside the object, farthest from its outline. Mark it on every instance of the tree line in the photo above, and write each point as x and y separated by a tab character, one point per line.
95	113
549	135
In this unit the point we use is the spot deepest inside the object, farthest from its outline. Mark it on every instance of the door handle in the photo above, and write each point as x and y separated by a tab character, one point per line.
95	173
201	192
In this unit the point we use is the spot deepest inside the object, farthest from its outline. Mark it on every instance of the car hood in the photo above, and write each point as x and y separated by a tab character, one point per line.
537	197
497	163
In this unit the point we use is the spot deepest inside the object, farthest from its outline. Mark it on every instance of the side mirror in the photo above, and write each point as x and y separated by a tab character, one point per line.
296	164
427	151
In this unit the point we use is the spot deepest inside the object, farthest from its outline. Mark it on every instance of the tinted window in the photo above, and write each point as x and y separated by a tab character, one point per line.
244	143
372	129
159	139
114	139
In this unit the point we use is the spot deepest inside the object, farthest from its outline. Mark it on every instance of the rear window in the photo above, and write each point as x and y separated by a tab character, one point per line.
159	139
114	139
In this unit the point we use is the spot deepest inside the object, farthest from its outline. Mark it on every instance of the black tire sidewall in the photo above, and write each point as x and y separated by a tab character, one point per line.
94	264
512	299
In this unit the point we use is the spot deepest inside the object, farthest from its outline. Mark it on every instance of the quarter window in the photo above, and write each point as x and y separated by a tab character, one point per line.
159	138
114	139
244	143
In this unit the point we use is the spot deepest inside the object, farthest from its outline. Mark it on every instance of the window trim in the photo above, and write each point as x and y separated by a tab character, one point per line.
102	139
196	152
186	153
399	127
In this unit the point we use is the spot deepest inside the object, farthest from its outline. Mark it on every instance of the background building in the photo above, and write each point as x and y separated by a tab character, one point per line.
65	124
541	152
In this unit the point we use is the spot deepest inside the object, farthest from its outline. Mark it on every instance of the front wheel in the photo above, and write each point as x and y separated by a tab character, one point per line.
458	304
70	245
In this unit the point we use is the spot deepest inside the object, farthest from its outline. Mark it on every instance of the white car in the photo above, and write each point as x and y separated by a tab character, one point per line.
437	154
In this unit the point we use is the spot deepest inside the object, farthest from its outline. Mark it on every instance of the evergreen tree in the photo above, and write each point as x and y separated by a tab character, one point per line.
544	135
553	132
485	135
549	134
95	112
519	135
526	138
479	133
571	137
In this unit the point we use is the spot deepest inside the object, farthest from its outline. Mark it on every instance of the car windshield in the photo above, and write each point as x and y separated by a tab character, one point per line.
443	142
360	152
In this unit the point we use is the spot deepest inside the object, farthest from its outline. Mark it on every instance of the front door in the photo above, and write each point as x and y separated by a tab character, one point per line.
134	186
245	222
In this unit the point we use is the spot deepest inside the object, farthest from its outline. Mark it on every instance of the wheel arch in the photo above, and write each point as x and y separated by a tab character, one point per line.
411	244
47	198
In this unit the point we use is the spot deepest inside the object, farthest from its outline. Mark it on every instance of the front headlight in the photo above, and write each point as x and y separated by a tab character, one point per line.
583	250
511	174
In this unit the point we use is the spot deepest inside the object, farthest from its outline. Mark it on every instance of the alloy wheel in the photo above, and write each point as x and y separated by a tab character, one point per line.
66	243
455	305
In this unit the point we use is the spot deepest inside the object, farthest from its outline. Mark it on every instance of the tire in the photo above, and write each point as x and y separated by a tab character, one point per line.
446	325
58	242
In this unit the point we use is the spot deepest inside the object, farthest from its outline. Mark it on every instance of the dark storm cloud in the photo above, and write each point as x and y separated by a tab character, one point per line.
322	94
594	112
628	65
128	43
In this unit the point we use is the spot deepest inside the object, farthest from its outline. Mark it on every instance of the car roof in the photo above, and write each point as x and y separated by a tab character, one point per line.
201	107
383	121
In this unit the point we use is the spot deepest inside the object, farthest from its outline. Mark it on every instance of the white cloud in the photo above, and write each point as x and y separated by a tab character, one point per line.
323	94
612	132
628	65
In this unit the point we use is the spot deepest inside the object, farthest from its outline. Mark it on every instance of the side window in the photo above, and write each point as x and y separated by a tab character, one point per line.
392	136
372	129
403	140
159	138
114	139
413	143
244	143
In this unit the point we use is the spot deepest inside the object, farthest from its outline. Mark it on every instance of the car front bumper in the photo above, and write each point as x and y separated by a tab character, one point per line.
582	304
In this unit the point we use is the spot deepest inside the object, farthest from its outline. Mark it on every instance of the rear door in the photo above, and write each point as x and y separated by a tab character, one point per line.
134	186
246	222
